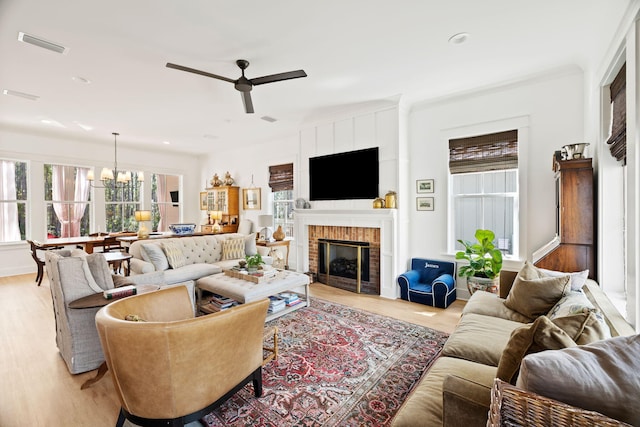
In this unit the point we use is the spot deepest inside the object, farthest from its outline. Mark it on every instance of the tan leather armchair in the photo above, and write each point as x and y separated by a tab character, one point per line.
174	368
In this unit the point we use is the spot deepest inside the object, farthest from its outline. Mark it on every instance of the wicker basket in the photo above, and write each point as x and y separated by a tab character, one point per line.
511	406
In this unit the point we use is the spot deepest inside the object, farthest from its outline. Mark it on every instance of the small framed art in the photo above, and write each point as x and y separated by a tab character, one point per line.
425	185
424	203
251	199
203	200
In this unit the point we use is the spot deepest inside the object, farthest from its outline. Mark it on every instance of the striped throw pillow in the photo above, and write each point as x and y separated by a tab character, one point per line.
174	254
233	248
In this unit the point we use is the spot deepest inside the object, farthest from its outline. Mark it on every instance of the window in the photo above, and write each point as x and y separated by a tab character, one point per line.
66	194
13	200
121	202
165	201
281	183
484	188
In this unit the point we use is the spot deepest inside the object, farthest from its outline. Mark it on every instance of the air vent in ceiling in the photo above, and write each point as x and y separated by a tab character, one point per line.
268	119
20	94
36	41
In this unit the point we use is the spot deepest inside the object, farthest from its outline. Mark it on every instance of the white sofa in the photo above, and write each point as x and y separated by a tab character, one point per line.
199	256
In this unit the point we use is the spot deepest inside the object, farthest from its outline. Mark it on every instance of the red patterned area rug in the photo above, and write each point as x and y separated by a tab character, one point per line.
337	366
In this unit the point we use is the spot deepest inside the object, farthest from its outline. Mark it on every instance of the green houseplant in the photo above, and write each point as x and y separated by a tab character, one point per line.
485	262
254	262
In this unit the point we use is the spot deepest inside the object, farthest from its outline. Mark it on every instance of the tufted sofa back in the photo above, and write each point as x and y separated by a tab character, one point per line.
196	249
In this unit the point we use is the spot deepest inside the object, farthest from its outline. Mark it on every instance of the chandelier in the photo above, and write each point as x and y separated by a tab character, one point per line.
112	177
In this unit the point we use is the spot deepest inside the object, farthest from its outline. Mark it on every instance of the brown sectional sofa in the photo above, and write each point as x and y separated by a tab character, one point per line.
456	390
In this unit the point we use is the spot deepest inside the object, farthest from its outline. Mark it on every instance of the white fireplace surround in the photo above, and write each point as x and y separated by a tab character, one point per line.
384	219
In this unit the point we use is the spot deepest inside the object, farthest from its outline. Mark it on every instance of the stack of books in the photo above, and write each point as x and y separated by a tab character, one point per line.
276	304
290	298
217	303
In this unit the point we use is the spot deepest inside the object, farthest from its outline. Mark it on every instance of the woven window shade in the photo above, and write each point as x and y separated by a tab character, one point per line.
618	137
281	177
495	151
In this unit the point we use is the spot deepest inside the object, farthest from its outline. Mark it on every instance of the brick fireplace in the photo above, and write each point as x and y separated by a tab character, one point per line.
347	234
377	227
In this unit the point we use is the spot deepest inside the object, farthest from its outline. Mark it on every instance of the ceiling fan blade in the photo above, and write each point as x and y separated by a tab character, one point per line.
202	73
248	103
278	77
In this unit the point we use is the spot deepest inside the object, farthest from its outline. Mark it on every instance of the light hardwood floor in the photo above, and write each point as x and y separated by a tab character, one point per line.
37	389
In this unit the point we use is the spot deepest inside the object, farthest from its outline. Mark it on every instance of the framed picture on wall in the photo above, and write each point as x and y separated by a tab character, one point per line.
251	199
425	186
203	200
424	203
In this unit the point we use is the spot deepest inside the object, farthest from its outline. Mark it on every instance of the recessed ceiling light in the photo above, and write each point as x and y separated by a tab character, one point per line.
80	80
20	94
45	44
166	142
459	38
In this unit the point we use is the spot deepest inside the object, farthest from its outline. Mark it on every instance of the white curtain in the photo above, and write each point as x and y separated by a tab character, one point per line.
161	192
66	188
9	226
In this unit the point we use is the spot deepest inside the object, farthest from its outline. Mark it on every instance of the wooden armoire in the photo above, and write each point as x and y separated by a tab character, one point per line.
575	219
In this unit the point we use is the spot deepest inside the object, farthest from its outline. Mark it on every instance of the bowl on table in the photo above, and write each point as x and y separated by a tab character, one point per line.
182	229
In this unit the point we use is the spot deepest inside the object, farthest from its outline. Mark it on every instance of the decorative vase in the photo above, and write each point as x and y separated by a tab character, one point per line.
279	234
390	200
378	203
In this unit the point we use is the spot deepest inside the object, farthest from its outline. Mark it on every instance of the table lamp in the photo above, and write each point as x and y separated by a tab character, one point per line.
142	217
215	216
265	221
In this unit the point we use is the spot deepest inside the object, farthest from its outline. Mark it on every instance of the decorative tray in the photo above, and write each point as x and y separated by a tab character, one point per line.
253	277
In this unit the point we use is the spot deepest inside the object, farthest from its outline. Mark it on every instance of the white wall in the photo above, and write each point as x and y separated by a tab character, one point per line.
39	149
548	111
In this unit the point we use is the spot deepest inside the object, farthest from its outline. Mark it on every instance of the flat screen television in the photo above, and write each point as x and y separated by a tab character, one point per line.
344	176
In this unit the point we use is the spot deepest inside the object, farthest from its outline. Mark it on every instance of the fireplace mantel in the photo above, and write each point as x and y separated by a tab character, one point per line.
384	219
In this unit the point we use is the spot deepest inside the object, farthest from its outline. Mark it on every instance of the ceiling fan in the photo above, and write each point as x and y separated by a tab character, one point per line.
243	84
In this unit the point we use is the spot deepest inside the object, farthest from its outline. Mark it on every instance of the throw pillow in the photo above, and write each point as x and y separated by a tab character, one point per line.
250	245
583	328
536	296
540	335
100	270
119	281
175	256
153	253
603	377
233	248
578	279
576	308
89	277
573	302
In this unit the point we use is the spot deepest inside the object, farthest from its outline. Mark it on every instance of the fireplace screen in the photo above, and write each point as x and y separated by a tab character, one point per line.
344	258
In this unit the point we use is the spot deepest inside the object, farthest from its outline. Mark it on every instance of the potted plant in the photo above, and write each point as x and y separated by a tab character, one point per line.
485	262
253	262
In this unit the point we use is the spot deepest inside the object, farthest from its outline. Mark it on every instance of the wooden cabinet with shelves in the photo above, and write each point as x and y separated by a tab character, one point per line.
575	219
226	200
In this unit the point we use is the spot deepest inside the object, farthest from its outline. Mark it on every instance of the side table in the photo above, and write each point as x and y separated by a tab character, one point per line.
275	244
115	259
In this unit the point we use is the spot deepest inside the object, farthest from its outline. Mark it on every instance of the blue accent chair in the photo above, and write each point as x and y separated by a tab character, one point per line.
429	282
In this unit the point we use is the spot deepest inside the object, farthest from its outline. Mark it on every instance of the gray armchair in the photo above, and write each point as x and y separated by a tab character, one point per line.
73	275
